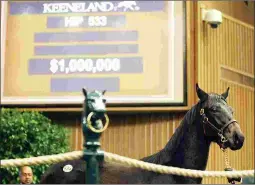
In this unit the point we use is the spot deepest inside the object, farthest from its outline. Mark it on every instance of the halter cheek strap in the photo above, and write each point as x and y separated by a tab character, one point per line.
219	131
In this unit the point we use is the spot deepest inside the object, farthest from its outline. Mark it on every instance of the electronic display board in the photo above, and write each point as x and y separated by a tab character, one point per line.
133	49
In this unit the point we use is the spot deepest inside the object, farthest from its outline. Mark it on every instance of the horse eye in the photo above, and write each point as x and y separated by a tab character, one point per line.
104	100
213	109
93	100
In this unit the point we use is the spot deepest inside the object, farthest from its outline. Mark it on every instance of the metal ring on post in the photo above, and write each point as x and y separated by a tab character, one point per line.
92	128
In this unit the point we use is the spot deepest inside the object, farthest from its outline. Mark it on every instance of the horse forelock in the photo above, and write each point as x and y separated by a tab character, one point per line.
214	98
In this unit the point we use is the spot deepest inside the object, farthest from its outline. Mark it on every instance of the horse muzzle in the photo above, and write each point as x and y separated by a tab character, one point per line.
236	142
99	113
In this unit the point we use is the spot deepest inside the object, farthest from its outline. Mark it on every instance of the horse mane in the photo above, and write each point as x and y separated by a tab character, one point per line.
165	155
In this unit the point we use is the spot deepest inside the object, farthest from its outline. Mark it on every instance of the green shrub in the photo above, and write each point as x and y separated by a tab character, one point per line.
26	134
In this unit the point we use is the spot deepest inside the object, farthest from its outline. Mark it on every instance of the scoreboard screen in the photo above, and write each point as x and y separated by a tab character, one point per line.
50	50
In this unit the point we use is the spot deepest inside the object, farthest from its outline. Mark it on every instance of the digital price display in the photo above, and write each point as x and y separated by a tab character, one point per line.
132	49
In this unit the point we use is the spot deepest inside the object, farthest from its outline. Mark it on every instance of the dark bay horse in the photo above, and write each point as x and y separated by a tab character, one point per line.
210	120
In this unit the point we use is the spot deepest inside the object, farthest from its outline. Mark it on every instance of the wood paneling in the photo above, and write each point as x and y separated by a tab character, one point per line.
237	77
231	45
133	135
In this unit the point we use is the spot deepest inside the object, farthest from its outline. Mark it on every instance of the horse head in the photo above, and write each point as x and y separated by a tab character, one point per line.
95	103
218	120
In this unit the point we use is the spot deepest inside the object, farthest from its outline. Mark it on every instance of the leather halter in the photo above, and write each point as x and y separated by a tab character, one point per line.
220	131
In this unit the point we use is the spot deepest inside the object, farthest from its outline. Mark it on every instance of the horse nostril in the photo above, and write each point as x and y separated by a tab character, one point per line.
241	138
238	139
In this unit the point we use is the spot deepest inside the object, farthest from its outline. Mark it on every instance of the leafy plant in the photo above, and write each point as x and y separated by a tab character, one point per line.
29	134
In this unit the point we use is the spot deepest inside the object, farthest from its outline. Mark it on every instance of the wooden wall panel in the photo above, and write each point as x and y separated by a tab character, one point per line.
231	46
133	135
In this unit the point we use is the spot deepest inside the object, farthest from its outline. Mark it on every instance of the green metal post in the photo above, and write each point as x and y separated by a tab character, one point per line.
92	154
92	127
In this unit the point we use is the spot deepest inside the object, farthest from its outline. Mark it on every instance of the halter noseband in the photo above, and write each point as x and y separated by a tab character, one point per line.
219	131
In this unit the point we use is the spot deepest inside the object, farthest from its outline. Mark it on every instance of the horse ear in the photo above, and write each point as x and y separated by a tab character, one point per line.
200	93
225	94
104	91
84	92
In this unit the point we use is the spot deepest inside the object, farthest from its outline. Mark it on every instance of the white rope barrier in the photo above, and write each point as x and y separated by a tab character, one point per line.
109	157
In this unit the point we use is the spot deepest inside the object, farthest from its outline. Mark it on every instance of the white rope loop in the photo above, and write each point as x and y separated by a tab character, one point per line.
47	159
109	157
174	170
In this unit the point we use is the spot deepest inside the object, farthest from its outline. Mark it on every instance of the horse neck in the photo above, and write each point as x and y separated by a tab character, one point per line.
192	148
187	148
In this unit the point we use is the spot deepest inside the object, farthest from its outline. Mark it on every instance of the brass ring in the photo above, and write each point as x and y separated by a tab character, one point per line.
223	139
89	124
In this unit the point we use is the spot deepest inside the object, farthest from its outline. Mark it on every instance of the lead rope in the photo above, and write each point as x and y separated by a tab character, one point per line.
225	152
229	168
